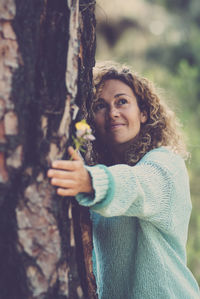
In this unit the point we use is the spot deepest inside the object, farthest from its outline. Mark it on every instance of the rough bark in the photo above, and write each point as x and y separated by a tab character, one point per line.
46	57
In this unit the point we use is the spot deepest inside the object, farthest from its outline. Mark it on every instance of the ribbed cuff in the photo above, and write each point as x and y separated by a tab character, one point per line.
100	183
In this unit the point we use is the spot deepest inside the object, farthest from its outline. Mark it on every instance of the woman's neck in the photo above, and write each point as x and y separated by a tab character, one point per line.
118	152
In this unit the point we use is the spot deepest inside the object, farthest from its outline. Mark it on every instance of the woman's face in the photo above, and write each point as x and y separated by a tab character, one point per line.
116	113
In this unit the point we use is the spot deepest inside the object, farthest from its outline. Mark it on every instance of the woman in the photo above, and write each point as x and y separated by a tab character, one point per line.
138	190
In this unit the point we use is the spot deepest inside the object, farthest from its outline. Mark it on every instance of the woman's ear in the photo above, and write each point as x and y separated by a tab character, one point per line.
143	117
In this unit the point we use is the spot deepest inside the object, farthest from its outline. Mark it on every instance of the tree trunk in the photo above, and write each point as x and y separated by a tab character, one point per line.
46	58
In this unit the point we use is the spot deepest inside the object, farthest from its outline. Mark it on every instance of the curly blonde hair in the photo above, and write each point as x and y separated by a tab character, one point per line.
161	128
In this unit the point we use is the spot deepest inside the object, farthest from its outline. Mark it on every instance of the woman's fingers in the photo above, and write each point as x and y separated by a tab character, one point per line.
66	192
64	164
65	187
67	164
60	174
70	176
74	154
63	183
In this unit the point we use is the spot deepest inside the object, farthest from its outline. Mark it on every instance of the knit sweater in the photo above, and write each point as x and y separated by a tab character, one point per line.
140	218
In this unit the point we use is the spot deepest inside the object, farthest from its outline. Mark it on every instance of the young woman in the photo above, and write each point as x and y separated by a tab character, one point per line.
137	191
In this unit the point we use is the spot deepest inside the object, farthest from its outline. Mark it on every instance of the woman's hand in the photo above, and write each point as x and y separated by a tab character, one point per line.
71	177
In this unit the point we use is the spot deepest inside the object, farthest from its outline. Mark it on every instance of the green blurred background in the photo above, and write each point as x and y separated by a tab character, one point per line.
160	39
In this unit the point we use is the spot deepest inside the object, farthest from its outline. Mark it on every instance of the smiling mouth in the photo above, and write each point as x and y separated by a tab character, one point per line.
115	126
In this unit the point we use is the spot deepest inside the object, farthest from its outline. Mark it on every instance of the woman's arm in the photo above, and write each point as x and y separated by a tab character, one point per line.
156	189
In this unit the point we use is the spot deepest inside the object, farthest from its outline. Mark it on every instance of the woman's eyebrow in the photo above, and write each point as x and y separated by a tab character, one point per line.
121	94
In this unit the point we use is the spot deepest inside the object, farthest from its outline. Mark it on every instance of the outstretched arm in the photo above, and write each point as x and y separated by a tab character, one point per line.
71	177
155	190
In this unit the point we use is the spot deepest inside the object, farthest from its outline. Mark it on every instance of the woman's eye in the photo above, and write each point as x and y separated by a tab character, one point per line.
122	101
99	106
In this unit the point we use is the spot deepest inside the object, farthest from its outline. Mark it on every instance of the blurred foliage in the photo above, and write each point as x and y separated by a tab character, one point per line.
160	39
188	8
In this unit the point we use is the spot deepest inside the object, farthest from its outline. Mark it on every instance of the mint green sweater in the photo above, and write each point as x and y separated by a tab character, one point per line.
140	220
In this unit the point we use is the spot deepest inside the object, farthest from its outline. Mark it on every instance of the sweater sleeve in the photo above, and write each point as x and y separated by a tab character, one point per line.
147	190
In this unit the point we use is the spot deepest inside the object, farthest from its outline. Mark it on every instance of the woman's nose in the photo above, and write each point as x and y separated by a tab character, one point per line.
113	112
